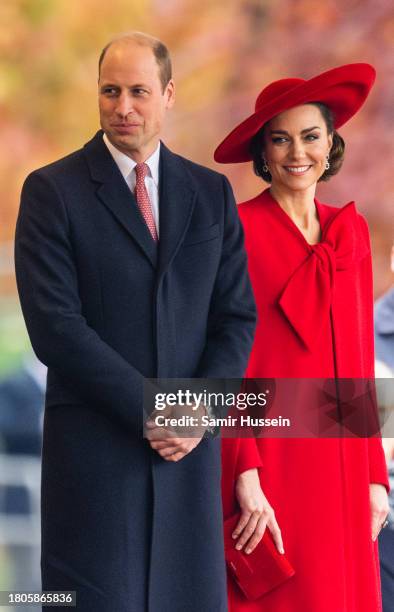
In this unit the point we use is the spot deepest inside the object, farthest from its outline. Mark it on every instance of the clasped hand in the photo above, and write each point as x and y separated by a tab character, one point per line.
173	442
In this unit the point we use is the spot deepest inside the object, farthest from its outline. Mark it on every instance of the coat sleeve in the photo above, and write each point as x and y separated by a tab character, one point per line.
47	282
377	463
232	315
238	455
248	456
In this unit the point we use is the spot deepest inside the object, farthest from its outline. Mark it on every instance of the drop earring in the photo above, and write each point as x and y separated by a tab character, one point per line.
265	167
327	162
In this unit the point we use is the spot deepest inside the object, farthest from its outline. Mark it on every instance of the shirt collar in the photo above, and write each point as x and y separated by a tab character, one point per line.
127	165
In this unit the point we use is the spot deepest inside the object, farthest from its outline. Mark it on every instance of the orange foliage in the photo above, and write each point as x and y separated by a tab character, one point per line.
223	54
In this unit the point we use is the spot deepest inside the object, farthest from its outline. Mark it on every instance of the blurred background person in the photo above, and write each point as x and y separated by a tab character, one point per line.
386	537
22	407
384	347
21	418
384	324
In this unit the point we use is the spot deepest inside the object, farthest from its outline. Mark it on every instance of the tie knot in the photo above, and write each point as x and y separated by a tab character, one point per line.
141	170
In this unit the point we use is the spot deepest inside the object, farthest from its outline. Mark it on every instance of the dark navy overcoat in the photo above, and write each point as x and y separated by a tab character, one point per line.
105	307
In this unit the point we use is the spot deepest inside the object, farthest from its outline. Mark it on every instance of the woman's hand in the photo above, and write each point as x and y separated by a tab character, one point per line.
256	513
378	500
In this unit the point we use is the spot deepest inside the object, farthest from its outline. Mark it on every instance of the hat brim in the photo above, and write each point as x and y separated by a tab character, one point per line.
343	89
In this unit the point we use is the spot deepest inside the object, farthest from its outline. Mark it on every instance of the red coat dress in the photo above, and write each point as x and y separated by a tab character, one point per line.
314	320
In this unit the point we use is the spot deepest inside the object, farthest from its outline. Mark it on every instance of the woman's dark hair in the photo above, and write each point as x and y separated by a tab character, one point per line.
336	154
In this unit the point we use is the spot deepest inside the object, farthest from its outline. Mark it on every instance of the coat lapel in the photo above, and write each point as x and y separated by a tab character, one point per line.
177	197
114	193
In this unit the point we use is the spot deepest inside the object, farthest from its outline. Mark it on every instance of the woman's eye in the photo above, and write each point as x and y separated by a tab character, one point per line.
279	139
312	137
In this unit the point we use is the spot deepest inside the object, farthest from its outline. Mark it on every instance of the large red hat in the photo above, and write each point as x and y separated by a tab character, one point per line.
343	89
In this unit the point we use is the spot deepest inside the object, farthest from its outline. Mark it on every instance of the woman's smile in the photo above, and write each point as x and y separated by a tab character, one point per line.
297	169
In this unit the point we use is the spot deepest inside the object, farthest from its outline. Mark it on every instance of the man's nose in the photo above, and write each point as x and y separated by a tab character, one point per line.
124	105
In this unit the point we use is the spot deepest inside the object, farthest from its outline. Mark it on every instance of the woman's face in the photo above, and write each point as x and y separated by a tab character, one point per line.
296	145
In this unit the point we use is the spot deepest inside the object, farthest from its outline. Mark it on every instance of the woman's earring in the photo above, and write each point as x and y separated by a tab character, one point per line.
327	162
265	167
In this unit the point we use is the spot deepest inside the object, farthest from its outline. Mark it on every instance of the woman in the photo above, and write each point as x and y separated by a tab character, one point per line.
310	266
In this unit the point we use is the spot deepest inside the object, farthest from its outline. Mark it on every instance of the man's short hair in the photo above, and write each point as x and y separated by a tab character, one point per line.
159	50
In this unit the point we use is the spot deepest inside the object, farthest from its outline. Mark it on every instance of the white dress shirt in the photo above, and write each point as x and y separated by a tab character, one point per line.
126	166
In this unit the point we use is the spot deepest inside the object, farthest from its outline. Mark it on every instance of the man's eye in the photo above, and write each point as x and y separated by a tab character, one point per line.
109	91
138	91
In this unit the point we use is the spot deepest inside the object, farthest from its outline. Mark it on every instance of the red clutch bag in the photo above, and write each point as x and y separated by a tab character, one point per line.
259	572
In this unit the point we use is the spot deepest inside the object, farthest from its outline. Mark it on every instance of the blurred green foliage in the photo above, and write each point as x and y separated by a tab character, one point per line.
14	342
37	11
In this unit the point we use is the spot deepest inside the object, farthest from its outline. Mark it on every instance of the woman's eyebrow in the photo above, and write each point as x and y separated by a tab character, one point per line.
315	127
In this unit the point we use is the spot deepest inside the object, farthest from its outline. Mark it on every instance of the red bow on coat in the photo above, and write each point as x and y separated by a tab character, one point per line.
307	297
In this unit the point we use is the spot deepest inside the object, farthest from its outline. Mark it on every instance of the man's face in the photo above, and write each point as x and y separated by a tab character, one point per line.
132	103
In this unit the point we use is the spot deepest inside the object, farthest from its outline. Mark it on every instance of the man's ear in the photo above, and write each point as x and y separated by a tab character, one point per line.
169	93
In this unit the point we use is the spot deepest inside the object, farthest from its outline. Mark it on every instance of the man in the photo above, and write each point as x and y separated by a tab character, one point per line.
130	264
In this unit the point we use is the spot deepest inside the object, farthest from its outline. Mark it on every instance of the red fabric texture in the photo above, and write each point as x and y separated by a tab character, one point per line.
343	89
314	320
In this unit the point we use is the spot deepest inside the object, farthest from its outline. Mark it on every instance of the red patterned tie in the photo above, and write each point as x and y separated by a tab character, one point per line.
142	197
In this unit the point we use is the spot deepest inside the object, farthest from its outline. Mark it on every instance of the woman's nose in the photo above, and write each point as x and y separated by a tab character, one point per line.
297	149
